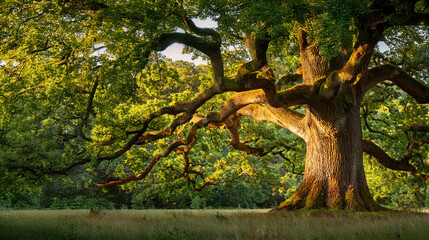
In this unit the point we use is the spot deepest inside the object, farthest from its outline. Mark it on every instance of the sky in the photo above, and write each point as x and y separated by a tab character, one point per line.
175	51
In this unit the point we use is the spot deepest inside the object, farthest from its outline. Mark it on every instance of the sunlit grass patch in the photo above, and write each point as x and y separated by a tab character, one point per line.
210	224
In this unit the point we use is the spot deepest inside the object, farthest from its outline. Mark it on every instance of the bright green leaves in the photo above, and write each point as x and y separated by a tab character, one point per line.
251	17
159	79
407	47
389	116
333	24
393	189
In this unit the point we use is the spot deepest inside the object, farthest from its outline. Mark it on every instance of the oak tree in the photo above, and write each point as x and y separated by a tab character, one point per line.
92	74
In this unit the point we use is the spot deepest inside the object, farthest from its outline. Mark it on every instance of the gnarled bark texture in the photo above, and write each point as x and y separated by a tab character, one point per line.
334	175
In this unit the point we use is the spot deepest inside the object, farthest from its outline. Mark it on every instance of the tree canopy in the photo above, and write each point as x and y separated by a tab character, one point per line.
84	87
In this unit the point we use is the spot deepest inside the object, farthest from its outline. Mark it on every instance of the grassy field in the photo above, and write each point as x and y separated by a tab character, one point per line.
210	224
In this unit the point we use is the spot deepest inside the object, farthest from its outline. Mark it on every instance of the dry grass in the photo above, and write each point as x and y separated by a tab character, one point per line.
210	224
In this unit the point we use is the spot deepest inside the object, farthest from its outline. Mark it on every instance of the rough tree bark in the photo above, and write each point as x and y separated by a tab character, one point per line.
334	175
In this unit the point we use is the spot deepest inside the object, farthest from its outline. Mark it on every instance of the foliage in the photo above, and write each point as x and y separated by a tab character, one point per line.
395	190
389	114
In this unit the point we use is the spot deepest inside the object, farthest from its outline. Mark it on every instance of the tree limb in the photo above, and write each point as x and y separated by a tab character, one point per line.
141	137
386	161
87	112
233	125
231	106
289	161
189	139
284	117
190	25
365	118
403	80
167	39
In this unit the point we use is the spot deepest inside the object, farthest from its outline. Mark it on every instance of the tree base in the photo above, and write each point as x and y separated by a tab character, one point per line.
350	200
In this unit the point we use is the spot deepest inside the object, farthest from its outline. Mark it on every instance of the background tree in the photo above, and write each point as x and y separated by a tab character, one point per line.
86	76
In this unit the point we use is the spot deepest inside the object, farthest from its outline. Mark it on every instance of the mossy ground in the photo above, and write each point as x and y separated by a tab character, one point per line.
212	224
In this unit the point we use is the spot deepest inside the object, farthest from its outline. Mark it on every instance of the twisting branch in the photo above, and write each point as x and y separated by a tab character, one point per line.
186	169
87	112
289	161
155	159
187	166
249	76
233	125
365	119
203	45
386	161
371	28
190	25
403	80
140	136
210	48
231	106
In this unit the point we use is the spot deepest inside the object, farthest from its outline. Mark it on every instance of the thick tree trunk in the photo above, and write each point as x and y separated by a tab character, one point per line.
334	175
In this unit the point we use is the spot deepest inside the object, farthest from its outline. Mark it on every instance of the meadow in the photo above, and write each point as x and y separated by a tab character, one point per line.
210	224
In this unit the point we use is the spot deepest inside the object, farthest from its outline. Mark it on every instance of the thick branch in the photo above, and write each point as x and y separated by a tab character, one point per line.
233	125
232	105
371	27
167	39
188	108
190	25
297	95
286	118
386	161
249	76
403	80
